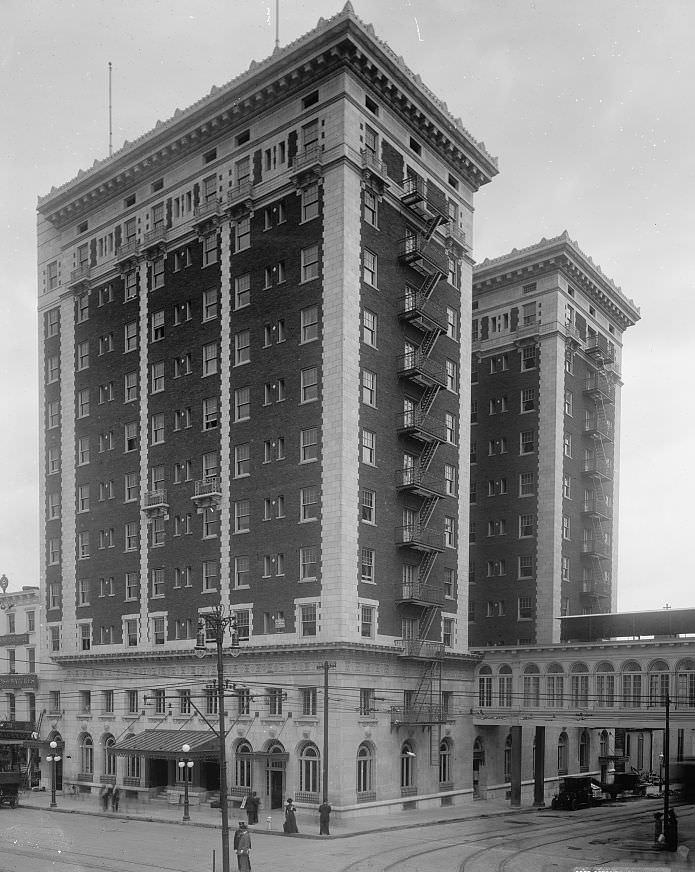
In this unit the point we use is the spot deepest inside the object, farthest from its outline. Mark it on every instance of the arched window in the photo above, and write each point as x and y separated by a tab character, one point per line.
445	762
562	754
109	759
555	686
532	686
485	687
309	769
632	685
365	769
685	684
584	749
579	685
504	687
658	683
86	755
242	765
605	685
407	766
508	758
603	748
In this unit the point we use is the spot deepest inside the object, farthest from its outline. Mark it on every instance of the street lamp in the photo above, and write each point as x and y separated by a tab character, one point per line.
185	766
53	758
211	628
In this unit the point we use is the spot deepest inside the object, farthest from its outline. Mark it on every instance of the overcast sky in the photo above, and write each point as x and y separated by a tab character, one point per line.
589	107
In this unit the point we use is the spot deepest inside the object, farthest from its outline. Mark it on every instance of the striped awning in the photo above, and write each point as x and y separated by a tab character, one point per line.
167	744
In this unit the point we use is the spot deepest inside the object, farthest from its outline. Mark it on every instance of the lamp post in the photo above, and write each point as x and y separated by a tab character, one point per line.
53	758
186	766
211	628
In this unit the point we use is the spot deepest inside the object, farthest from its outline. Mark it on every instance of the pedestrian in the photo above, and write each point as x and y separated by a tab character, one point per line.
242	847
104	796
324	818
115	799
290	825
252	804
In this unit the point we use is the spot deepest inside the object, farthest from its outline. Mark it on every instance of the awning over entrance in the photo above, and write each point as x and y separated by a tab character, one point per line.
166	744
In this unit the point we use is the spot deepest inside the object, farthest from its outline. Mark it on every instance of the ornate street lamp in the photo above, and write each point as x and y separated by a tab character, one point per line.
211	629
186	766
53	758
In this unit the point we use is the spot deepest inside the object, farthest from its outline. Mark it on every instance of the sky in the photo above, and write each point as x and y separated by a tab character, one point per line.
589	107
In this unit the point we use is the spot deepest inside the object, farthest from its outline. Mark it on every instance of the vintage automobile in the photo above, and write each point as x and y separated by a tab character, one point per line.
10	783
625	783
577	791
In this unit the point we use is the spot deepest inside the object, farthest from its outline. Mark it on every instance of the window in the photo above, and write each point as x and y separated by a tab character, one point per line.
369	328
308	445
307	563
209	304
242	404
527	441
131	286
307	620
566	527
369	267
567	445
242	460
367	618
82	307
210	573
242	347
243	234
210	249
309	319
157	429
369	447
309	390
367	565
496	568
130	432
407	765
452	376
131	536
242	291
158	582
309	701
83	498
308	503
310	202
525	566
370	207
242	513
525	608
83	544
448	629
130	336
86	644
452	323
526	525
210	413
157	326
369	387
528	357
528	399
82	355
158	273
569	403
450	532
242	571
310	263
451	428
368	506
82	408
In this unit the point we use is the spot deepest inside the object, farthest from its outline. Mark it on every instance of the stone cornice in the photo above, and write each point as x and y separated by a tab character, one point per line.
267	652
560	252
342	41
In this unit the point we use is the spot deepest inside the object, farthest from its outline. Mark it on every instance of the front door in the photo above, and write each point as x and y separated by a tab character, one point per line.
276	791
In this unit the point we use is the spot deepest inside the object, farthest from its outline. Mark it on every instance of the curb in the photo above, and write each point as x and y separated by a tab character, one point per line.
211	826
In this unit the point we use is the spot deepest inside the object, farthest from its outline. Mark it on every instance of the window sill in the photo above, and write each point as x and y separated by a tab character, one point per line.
306	719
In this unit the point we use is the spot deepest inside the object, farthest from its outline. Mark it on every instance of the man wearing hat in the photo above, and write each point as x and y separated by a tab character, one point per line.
242	847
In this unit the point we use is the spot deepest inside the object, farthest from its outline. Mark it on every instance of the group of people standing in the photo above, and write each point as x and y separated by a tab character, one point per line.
242	837
110	796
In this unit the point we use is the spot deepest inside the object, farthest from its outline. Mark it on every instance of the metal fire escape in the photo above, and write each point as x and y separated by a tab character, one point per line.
423	321
598	470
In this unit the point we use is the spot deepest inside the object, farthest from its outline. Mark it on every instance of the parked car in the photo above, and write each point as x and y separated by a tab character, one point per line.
577	791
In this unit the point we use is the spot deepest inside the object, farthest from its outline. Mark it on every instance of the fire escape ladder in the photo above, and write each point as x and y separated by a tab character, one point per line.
429	558
429	395
432	225
430	283
428	453
428	342
427	617
427	510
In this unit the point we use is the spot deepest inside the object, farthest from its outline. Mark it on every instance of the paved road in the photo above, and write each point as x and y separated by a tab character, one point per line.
36	840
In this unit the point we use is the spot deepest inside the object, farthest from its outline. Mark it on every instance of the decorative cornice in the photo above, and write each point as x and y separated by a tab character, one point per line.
559	252
341	40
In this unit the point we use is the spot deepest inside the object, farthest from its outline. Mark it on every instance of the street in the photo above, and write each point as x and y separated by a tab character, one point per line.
617	835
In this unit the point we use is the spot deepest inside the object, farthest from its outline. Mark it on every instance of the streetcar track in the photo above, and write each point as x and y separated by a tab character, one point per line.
71	858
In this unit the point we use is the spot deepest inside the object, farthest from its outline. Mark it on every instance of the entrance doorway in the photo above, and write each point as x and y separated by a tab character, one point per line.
210	775
159	773
478	763
275	787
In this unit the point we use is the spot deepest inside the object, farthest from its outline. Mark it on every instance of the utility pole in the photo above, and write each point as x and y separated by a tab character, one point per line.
667	773
218	623
325	666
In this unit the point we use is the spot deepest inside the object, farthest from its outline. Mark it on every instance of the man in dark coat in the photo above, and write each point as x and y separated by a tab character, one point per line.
242	847
252	803
324	817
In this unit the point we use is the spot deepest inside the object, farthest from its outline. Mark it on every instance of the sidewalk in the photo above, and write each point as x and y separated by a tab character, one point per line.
158	811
